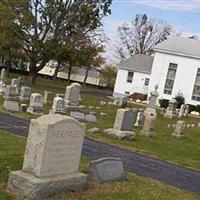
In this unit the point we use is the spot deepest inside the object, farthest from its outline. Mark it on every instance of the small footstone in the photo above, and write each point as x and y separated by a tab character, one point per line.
94	130
106	169
91	118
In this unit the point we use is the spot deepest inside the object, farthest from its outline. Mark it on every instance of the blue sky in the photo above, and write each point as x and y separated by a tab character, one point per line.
183	15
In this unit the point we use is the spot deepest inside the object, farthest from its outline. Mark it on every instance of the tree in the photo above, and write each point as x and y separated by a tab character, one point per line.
141	35
109	73
41	26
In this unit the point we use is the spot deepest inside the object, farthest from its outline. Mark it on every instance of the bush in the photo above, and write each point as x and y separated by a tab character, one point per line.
197	109
180	99
192	108
163	103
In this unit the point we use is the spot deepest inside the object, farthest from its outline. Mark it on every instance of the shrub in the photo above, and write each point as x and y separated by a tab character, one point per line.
197	108
163	103
191	108
180	99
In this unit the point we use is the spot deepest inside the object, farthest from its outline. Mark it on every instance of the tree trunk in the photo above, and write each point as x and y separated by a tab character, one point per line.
32	73
86	75
69	73
8	67
56	72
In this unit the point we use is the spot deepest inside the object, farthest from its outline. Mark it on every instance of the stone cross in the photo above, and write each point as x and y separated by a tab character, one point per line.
36	104
58	106
52	158
178	131
149	125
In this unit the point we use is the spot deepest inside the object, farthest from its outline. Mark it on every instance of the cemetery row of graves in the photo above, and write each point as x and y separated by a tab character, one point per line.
54	144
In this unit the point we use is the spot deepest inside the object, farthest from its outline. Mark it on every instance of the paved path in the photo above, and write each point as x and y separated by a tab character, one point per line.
137	163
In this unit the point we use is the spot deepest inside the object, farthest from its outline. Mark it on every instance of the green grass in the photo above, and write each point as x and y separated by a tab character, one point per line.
184	151
136	188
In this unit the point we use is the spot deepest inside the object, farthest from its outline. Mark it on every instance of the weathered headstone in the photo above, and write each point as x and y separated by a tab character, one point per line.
106	170
48	96
36	104
77	115
178	131
58	106
124	121
181	112
171	109
25	93
3	74
149	125
52	157
187	110
91	118
11	99
21	82
94	130
2	87
14	82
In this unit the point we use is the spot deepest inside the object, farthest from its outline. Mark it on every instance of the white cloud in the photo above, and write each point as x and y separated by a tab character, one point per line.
178	5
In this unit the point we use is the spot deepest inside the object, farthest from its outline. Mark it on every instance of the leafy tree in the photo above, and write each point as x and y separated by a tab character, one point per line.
42	26
141	35
109	73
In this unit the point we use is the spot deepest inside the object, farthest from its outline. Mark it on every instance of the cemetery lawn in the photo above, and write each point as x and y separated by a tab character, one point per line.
138	188
184	151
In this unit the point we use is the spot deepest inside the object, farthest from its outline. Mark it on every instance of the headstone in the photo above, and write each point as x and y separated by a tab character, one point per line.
23	108
14	82
52	157
187	109
25	93
90	118
123	125
102	103
77	115
36	104
121	102
151	108
3	74
178	132
11	99
171	109
72	94
21	82
103	114
149	125
2	87
48	97
181	112
94	130
58	106
107	169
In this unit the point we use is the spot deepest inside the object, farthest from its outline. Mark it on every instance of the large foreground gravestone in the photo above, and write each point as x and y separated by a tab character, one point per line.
106	170
124	121
11	99
52	157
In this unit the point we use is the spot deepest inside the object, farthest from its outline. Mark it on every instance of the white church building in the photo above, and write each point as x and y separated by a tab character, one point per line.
175	67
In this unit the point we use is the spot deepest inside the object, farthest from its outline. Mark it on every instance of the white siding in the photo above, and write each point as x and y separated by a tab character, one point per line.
185	75
137	85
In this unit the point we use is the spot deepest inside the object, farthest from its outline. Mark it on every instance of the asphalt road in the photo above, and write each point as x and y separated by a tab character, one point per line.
142	165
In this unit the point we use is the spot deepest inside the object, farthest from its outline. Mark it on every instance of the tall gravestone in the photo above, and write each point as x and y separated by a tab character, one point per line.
58	106
3	74
25	93
52	157
2	87
123	125
182	111
151	108
11	99
36	104
72	96
171	109
48	96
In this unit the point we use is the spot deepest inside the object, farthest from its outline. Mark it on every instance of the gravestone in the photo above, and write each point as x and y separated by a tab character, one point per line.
171	109
90	118
187	110
48	96
124	121
14	82
25	93
77	115
121	102
149	125
151	108
3	75
11	99
181	112
72	96
21	81
52	158
107	169
36	104
178	131
2	87
58	106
